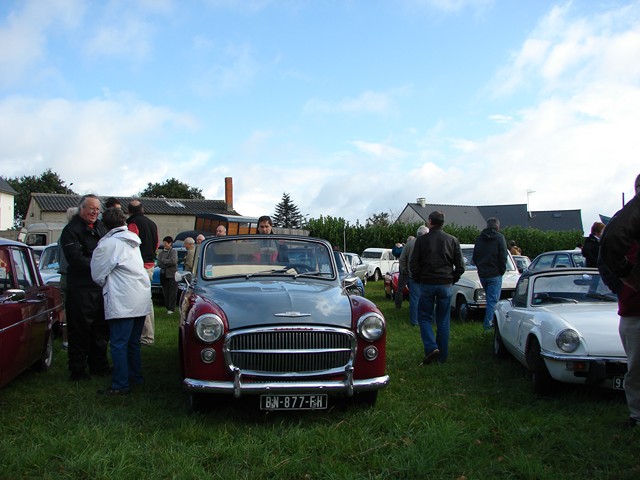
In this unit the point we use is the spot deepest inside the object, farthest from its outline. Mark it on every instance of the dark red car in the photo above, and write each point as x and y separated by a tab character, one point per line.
391	282
29	312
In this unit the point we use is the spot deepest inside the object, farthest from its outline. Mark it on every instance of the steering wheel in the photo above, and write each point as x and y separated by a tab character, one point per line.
299	267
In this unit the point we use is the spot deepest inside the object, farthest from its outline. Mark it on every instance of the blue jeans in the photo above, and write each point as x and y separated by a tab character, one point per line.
492	287
414	298
435	299
125	351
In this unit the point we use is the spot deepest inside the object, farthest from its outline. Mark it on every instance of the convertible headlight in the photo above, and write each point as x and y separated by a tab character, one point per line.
568	340
208	328
371	327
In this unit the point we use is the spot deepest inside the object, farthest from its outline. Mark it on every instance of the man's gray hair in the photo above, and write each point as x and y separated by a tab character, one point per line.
422	229
493	223
189	241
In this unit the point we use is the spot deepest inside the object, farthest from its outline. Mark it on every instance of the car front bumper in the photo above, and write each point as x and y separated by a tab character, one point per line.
596	371
239	388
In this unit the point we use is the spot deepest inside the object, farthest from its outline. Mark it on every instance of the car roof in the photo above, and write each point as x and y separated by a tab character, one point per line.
571	250
5	241
558	271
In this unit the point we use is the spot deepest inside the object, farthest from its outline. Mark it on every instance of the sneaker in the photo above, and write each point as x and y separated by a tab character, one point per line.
112	392
430	357
169	312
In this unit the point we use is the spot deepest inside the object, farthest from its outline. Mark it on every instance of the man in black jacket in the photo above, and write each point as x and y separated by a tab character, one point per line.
436	264
87	329
490	258
147	230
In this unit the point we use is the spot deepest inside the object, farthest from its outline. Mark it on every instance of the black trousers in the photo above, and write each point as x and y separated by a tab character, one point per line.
88	331
169	292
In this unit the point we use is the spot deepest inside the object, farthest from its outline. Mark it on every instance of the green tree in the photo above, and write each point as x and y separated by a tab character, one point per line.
172	188
47	182
287	214
381	219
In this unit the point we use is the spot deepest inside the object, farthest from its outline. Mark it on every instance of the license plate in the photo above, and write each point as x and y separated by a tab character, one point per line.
618	383
293	402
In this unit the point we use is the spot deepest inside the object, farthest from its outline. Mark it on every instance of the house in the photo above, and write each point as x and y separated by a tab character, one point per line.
7	194
172	215
509	216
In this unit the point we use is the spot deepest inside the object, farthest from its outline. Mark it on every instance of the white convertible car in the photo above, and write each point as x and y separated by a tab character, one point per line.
562	324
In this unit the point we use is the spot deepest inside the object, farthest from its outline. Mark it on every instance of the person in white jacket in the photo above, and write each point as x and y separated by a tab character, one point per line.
117	266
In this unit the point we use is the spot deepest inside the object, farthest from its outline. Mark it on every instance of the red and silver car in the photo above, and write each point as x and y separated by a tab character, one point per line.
29	310
267	316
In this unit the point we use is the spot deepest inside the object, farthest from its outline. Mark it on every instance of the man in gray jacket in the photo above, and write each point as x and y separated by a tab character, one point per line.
490	257
436	264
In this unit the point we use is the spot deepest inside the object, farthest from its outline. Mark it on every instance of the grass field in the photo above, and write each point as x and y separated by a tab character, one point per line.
472	418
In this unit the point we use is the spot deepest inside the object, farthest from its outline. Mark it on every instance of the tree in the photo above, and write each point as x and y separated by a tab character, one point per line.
47	182
381	219
172	188
287	214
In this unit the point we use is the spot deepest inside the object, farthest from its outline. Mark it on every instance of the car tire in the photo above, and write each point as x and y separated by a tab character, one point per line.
498	345
376	275
541	379
462	309
44	362
364	280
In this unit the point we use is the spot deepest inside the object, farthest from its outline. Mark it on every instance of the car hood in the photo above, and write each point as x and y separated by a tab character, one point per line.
470	278
254	303
597	324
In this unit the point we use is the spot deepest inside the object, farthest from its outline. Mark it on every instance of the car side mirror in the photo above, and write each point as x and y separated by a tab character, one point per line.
14	295
183	277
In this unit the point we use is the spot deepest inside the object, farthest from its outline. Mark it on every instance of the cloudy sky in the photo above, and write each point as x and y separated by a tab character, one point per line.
353	107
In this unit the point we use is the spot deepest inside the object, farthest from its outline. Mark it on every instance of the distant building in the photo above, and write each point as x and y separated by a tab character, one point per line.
509	216
172	215
7	205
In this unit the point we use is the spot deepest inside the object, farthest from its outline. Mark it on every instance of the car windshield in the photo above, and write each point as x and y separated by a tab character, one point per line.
371	254
49	258
467	254
262	255
570	288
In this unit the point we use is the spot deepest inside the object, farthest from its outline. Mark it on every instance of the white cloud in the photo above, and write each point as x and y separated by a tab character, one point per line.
379	150
128	38
366	102
236	74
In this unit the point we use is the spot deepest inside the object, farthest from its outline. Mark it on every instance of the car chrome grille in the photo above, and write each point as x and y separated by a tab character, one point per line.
290	351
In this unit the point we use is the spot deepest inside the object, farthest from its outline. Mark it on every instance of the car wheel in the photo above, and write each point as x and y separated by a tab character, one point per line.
540	376
498	345
44	363
376	275
462	309
364	280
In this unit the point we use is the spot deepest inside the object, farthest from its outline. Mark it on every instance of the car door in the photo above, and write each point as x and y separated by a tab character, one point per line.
24	317
511	329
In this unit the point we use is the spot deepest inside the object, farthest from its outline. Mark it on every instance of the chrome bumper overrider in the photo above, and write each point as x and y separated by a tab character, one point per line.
238	388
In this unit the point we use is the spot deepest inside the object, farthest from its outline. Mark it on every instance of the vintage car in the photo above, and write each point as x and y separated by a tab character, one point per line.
468	298
563	326
391	283
28	311
357	265
558	259
378	260
350	281
267	316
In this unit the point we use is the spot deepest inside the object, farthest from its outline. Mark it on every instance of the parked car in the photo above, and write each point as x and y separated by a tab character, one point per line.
156	287
391	282
357	265
350	281
522	262
28	311
562	325
378	262
468	298
267	316
49	264
558	259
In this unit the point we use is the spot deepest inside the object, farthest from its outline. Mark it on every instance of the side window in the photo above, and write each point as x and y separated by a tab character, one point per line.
544	262
5	271
520	295
562	260
23	273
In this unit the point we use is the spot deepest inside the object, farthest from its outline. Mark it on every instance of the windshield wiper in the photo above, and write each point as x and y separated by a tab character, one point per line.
603	296
269	272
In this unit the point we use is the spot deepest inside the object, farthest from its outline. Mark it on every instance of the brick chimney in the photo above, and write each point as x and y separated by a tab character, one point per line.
228	192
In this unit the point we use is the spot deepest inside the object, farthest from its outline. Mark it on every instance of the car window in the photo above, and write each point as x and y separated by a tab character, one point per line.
579	260
543	261
520	294
467	255
5	271
49	258
562	260
22	272
574	288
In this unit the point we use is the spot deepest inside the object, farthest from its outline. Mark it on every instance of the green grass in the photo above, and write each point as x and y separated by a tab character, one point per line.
474	418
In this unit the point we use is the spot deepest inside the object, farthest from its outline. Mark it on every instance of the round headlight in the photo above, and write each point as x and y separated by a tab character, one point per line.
568	340
371	327
208	328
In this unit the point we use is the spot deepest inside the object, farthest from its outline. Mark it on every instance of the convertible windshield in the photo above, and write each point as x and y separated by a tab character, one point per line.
262	255
576	288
